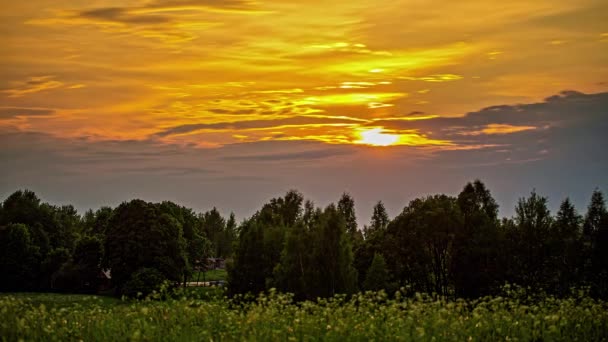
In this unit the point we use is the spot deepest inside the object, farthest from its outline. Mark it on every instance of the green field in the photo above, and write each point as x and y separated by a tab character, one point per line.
210	275
371	316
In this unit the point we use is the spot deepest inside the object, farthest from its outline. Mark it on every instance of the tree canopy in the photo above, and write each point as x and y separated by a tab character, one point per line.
453	246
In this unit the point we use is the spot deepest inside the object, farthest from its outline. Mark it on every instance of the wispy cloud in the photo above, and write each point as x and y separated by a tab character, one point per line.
33	85
13	112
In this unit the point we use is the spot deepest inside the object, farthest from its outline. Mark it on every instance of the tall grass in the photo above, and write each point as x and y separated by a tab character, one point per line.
275	317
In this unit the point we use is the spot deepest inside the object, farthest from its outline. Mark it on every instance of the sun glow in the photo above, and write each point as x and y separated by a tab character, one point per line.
376	137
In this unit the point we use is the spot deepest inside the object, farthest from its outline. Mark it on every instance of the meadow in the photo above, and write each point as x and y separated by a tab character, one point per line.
210	275
207	315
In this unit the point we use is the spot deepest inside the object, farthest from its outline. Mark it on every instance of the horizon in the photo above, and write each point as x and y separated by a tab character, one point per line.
553	205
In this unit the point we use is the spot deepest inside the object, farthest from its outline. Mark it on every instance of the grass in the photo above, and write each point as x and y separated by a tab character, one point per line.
210	275
274	317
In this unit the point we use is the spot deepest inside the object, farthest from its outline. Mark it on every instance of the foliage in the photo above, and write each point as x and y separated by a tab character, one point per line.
18	258
420	243
475	265
376	277
274	317
451	246
143	282
142	235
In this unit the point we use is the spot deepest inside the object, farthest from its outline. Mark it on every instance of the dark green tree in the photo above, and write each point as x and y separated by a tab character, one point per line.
419	243
346	206
88	255
528	243
249	269
213	226
595	230
332	255
475	263
376	277
379	220
595	212
230	235
293	273
19	258
373	242
141	235
566	249
51	265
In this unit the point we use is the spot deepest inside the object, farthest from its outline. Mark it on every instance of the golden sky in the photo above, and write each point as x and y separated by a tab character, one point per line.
208	73
228	103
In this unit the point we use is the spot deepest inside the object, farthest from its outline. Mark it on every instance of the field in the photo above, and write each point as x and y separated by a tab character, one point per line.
371	316
211	275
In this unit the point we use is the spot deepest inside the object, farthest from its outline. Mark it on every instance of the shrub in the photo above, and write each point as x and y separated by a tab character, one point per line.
143	282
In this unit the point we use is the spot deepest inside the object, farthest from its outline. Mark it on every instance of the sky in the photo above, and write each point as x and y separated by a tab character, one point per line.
229	103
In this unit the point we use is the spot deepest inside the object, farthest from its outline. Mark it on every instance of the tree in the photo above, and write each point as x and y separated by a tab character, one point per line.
379	218
595	212
475	264
249	270
566	248
599	260
141	235
96	223
376	277
332	255
88	255
51	265
231	234
143	282
292	274
419	243
261	242
68	226
595	231
373	243
22	207
19	258
40	218
346	206
528	242
81	272
213	226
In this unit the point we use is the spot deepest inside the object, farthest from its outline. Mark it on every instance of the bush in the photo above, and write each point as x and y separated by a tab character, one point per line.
143	282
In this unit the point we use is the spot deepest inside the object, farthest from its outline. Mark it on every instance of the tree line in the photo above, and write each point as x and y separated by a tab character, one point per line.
450	246
139	244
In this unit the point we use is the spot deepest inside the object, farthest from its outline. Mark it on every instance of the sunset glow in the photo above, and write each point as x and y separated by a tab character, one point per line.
376	137
206	85
128	70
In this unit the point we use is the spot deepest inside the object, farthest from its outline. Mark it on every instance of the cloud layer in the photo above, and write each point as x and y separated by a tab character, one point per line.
562	154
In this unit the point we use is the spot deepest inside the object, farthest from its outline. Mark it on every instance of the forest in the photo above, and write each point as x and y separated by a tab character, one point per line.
452	247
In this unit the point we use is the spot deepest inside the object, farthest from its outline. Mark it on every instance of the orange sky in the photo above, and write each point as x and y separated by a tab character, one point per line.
277	70
230	102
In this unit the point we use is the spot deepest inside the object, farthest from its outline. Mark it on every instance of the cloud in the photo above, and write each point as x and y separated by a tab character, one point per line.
564	155
568	126
304	155
172	22
432	78
564	109
121	15
232	112
33	85
213	5
254	124
12	112
499	129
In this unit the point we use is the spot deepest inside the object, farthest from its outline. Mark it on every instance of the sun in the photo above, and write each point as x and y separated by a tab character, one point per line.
376	137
